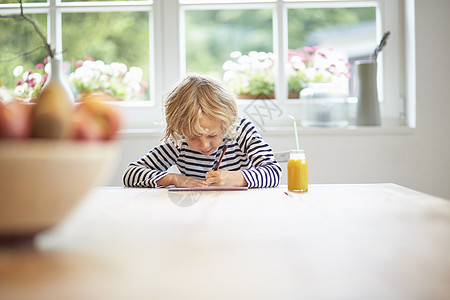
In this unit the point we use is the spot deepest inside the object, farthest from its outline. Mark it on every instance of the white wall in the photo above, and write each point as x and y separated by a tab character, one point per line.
417	158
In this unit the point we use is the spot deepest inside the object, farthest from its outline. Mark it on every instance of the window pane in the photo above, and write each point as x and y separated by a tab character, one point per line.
212	35
121	37
20	36
329	34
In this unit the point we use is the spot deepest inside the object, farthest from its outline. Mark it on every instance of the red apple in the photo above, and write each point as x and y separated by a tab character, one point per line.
95	119
15	120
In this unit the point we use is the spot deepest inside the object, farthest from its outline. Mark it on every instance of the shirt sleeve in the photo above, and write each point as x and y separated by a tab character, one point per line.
265	170
152	167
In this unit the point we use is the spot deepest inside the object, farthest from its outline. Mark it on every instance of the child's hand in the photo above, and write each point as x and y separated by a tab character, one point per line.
181	181
225	178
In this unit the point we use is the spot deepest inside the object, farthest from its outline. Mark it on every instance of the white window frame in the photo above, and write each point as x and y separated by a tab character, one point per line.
390	15
167	55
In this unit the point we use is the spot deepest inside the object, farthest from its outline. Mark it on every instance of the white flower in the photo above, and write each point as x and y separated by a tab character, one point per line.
262	55
135	74
235	54
228	66
123	68
99	65
267	64
115	69
4	95
17	71
19	90
135	86
37	77
88	64
253	54
25	75
47	68
230	76
244	60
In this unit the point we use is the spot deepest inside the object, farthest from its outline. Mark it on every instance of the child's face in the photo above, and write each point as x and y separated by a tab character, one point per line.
210	141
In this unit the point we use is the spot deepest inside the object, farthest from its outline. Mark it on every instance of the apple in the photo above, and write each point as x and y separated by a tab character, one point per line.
95	119
15	120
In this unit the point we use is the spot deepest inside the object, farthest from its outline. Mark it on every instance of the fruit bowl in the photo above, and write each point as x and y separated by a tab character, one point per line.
41	181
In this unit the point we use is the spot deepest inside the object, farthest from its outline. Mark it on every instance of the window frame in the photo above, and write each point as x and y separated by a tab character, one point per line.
389	15
167	53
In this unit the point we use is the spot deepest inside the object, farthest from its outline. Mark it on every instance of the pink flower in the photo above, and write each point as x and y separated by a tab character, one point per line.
79	64
32	84
87	57
308	49
331	69
39	66
19	82
46	60
322	54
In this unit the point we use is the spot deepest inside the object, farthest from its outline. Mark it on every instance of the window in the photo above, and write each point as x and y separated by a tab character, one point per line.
107	32
346	30
167	38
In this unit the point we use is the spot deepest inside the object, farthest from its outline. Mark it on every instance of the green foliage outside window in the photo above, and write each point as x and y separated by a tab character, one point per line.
121	37
210	35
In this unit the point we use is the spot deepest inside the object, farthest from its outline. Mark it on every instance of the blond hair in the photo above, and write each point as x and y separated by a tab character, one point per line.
194	97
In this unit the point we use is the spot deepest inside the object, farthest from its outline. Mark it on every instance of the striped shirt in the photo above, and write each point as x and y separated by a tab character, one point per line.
247	153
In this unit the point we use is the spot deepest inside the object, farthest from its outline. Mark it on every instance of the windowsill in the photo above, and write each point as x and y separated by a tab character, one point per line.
145	119
349	130
286	130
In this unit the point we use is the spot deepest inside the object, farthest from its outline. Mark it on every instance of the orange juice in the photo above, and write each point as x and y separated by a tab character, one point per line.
297	172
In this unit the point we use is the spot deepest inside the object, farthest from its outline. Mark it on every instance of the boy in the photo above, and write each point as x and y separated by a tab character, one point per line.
201	117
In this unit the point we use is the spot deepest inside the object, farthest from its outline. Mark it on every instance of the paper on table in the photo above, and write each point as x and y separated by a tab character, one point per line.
210	188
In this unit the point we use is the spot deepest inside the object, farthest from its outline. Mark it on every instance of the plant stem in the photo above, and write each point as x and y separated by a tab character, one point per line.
23	16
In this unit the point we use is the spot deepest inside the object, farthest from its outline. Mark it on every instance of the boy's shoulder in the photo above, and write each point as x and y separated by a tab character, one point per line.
245	124
170	142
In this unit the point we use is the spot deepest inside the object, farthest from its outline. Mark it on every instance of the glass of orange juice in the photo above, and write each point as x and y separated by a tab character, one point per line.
297	171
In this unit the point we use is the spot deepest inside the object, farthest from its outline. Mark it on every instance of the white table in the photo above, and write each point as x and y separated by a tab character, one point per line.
369	241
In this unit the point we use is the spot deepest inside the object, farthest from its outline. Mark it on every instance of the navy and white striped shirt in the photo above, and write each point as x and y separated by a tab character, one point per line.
247	153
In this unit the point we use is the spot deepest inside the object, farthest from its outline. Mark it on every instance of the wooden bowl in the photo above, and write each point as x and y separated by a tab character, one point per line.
41	181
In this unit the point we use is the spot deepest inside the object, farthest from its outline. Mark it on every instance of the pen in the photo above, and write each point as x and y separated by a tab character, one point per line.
217	164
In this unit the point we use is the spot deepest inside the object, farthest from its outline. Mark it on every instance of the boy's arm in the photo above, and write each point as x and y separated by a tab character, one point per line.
179	180
266	171
152	167
225	178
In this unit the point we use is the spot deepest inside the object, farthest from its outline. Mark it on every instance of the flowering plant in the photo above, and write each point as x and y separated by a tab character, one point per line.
30	82
115	78
87	76
250	74
315	65
253	73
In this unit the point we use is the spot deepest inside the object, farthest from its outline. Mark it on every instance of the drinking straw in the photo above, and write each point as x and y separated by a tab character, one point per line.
296	134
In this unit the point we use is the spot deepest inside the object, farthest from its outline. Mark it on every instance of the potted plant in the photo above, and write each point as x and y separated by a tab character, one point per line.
315	65
115	79
89	75
250	76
